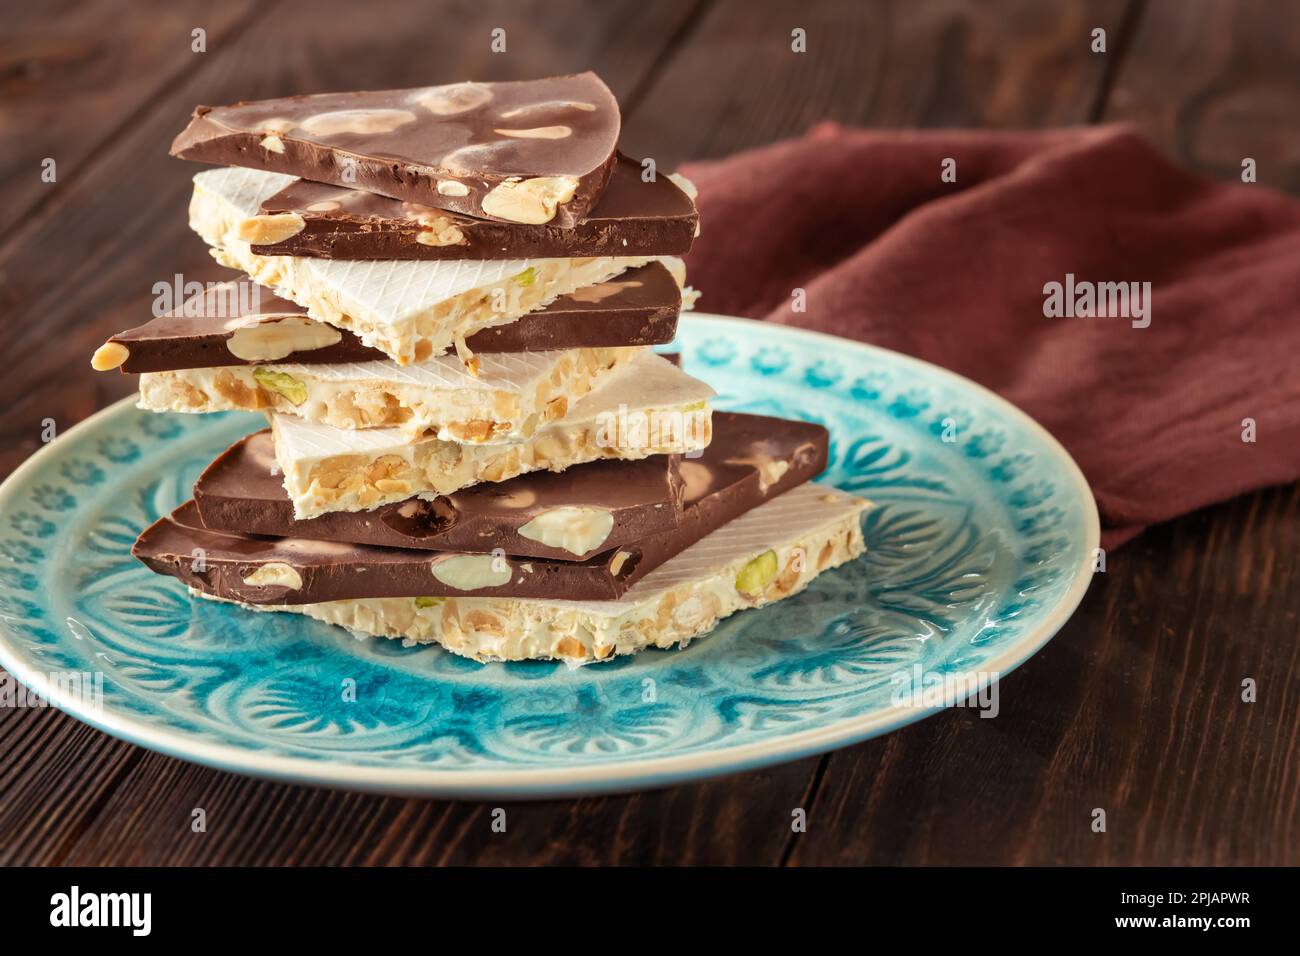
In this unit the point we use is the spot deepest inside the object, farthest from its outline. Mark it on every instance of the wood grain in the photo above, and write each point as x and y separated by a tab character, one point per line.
1216	81
72	72
1135	707
736	83
148	821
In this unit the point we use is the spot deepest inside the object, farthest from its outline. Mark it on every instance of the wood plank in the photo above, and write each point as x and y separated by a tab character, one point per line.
55	774
148	822
73	73
736	84
1135	707
1114	713
1214	81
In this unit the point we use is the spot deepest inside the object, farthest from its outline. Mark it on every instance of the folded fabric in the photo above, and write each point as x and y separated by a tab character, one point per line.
888	251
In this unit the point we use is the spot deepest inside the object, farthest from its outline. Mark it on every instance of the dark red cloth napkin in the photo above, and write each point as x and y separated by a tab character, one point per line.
954	273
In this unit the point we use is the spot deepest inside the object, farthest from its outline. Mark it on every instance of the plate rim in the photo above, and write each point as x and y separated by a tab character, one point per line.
552	782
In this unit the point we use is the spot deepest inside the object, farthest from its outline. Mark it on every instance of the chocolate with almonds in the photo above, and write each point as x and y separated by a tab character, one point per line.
633	218
530	152
751	460
566	516
222	327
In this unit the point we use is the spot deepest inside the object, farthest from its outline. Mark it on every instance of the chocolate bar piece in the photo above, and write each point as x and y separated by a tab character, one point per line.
225	326
532	152
261	570
408	309
506	397
647	408
633	218
565	517
768	554
758	459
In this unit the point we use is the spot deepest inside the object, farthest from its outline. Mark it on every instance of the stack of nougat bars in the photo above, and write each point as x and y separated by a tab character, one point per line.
454	295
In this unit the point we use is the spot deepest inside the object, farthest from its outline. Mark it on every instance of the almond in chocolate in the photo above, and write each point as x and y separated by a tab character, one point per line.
529	152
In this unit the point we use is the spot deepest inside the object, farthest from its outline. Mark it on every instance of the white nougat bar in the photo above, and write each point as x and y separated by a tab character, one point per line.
513	394
763	556
409	309
649	407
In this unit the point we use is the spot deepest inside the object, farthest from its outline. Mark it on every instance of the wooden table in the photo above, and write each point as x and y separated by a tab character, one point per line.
1134	707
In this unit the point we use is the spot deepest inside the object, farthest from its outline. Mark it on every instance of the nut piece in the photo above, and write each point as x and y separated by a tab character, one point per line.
574	529
268	341
676	267
537	132
530	201
472	572
484	623
108	356
273	143
438	231
685	185
545	107
276	574
472	432
452	187
757	574
281	383
356	121
603	290
268	230
525	278
453	98
570	647
429	601
697	611
770	472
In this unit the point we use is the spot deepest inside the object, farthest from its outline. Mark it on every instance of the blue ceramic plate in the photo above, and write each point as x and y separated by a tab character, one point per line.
980	547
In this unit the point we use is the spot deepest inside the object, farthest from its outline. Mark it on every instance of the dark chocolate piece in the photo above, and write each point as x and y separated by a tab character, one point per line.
605	503
638	307
261	570
537	151
752	458
633	218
